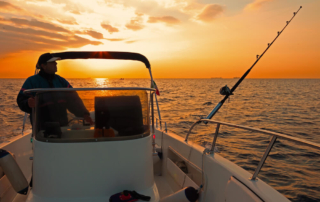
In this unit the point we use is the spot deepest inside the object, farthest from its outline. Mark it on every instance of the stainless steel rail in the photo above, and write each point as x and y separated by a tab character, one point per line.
38	90
160	125
268	149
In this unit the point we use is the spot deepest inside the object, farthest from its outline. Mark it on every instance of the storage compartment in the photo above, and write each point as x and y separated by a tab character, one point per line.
181	178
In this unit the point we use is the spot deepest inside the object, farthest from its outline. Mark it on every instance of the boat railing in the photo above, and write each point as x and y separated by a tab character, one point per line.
159	124
274	135
38	90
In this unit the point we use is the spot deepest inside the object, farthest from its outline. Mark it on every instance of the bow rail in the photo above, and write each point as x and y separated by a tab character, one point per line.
274	135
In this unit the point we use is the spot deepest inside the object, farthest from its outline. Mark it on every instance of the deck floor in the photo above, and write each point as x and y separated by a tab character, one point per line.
163	186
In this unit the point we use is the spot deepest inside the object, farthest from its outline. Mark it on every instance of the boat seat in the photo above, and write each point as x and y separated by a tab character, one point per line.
122	113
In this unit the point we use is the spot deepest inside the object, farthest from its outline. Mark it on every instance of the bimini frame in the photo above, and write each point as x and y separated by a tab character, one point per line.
113	56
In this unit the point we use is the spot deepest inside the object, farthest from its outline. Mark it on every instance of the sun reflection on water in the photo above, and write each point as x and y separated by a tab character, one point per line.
102	82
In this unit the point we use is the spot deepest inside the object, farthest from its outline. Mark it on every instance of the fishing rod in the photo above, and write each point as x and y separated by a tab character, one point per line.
226	90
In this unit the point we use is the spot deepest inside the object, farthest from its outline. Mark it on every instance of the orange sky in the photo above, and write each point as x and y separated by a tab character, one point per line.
181	38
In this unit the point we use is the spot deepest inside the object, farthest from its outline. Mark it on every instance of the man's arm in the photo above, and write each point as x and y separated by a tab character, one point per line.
75	104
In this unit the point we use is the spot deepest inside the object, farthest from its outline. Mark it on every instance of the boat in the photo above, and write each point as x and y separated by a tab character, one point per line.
128	155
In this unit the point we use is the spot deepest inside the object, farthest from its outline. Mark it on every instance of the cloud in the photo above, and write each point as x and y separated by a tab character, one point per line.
114	39
5	6
136	23
109	28
17	42
75	8
257	4
210	12
77	12
38	24
67	22
18	39
133	41
30	31
152	7
140	6
35	0
134	26
192	6
94	34
3	19
169	20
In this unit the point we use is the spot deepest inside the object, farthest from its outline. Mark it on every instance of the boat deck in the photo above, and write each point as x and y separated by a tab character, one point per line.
163	186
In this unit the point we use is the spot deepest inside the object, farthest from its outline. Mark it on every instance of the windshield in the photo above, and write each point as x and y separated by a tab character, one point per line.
94	115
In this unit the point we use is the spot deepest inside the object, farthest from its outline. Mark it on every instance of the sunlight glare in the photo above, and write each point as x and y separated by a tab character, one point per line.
102	82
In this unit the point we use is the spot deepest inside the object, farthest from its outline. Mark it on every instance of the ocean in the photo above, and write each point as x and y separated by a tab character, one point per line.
287	106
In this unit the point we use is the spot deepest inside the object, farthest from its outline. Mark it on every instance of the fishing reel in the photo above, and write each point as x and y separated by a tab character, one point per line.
225	91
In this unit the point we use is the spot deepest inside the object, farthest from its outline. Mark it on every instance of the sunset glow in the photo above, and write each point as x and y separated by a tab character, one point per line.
181	38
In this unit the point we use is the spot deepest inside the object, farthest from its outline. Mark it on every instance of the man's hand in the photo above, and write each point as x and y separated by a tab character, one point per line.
88	119
31	102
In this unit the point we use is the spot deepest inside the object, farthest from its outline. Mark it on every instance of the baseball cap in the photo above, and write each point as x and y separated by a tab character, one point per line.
44	58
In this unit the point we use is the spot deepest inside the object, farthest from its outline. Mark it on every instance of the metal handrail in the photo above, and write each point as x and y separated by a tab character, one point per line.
38	90
274	135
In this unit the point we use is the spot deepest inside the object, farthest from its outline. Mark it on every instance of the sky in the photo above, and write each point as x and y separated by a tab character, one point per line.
180	38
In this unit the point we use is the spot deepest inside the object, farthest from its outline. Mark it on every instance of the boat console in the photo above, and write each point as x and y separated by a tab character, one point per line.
92	161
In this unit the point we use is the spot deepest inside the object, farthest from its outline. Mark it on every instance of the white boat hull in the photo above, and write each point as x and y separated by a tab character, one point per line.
223	180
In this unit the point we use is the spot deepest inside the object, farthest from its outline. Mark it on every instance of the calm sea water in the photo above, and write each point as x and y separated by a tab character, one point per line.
288	106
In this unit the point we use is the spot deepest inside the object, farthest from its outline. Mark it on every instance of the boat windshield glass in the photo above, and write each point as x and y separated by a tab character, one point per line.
94	115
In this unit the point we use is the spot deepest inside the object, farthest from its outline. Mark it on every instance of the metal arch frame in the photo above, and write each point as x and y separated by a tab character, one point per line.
274	135
103	55
100	55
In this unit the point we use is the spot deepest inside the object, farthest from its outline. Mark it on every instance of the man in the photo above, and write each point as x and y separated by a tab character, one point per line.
52	105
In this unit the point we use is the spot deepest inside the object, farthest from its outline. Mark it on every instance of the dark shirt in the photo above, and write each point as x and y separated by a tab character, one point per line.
53	106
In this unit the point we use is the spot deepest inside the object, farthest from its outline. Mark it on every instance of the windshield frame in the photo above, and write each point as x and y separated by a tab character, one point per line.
38	90
43	90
